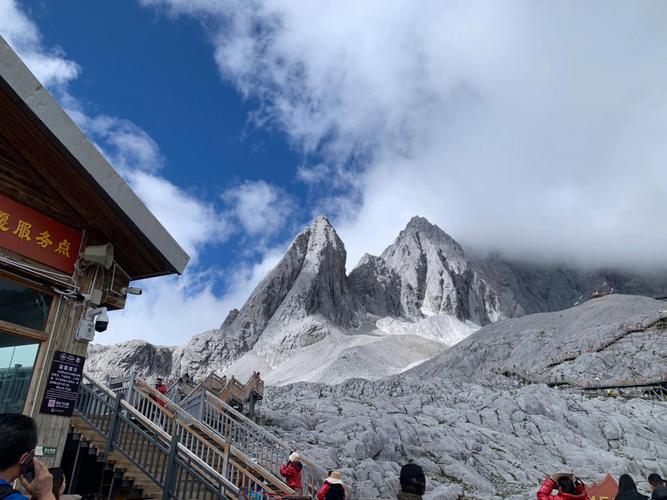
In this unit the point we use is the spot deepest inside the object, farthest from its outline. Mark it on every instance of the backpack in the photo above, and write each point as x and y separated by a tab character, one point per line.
336	492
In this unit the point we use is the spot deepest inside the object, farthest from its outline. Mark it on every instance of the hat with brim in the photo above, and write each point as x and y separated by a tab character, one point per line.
335	478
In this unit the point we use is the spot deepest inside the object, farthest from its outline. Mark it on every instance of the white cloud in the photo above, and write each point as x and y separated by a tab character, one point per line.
172	309
126	145
528	127
50	66
259	207
191	221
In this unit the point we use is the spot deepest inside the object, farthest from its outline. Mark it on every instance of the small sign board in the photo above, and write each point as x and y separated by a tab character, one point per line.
45	451
62	386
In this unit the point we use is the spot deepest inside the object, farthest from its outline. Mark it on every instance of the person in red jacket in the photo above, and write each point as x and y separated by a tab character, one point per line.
567	487
332	488
291	471
162	389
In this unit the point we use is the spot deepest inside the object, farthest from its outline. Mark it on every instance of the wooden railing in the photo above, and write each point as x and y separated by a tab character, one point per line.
267	449
229	389
174	468
220	454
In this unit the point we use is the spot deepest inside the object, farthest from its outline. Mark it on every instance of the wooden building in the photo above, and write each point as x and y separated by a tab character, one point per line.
59	199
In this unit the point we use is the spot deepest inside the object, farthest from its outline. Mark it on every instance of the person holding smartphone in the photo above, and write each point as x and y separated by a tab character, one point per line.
18	438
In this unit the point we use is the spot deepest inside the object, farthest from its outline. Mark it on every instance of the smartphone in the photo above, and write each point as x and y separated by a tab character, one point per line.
28	467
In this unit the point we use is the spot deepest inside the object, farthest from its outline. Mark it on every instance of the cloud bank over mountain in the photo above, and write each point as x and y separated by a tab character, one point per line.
526	127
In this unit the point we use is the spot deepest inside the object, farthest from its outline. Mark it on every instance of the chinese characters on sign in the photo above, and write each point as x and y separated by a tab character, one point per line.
35	235
62	387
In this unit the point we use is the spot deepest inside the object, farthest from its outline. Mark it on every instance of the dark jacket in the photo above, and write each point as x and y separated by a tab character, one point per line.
330	491
630	495
659	493
291	471
401	495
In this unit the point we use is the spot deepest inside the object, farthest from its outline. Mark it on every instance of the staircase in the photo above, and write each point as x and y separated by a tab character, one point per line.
222	456
234	427
236	394
167	451
125	479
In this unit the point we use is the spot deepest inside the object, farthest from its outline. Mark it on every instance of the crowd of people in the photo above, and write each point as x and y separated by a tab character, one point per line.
561	486
564	486
412	481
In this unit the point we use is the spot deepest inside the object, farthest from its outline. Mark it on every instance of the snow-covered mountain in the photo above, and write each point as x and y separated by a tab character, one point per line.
308	320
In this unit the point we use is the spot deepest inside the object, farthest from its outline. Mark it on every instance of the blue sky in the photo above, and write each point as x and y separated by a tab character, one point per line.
159	74
533	129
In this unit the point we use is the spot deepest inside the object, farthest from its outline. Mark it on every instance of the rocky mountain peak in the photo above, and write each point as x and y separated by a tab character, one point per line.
421	234
434	273
324	243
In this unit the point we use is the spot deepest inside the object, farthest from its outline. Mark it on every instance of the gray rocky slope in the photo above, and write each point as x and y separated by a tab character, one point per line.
308	297
476	431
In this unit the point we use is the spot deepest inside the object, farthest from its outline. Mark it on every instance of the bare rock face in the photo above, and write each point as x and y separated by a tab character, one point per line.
135	356
594	340
434	277
377	286
231	317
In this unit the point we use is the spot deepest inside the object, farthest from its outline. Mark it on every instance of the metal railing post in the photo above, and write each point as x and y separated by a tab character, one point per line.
170	474
115	422
130	388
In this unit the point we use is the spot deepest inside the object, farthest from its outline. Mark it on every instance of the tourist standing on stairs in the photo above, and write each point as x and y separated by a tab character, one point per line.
332	488
162	389
291	471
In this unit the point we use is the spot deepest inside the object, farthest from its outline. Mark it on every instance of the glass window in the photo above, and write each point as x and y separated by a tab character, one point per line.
23	306
17	360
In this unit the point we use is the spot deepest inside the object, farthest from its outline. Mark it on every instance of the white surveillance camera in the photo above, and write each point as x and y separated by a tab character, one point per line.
100	317
132	290
102	320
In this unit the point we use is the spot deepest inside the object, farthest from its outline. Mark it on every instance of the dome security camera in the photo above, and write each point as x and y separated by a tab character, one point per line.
102	320
99	317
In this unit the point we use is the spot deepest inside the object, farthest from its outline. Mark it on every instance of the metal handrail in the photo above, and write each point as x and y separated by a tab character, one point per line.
246	434
174	468
218	453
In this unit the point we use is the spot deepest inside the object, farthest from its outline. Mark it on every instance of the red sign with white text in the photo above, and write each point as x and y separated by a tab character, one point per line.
37	236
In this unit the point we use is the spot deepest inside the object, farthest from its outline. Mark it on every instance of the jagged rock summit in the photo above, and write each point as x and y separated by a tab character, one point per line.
295	305
435	276
308	320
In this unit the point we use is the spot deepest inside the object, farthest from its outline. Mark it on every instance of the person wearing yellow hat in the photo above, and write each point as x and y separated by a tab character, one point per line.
332	488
